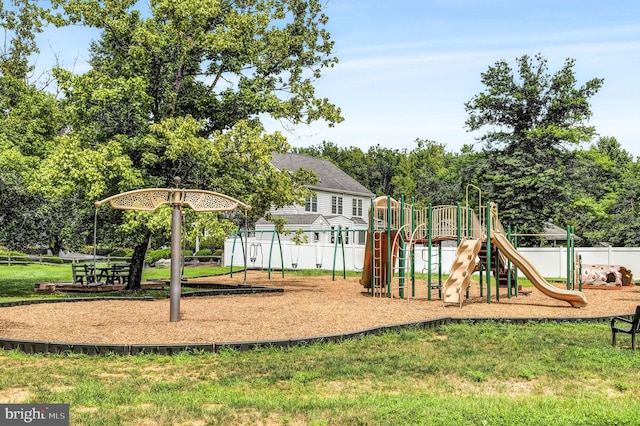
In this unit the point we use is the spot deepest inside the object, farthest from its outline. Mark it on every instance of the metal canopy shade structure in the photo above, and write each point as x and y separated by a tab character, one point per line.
151	199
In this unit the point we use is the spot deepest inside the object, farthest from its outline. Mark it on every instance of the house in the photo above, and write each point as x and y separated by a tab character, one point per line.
340	202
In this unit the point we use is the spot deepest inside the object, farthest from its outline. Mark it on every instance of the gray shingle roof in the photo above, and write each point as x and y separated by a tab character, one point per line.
330	176
295	219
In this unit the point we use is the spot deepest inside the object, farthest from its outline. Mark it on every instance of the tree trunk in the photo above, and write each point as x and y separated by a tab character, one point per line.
57	247
137	265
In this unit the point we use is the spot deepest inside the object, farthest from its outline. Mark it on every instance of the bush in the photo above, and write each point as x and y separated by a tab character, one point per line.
4	255
122	252
211	243
100	251
35	250
154	255
204	255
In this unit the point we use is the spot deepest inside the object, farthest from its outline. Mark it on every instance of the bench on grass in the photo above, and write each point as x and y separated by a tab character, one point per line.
120	273
81	274
631	326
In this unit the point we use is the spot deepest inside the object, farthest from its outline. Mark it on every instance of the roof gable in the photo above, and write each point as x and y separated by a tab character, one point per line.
330	177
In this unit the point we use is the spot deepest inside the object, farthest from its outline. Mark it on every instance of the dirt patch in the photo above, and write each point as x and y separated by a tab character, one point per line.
309	306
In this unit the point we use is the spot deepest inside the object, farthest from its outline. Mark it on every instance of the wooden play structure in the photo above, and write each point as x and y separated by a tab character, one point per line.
397	229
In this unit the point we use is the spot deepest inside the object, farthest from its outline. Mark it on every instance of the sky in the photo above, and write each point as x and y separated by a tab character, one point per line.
406	68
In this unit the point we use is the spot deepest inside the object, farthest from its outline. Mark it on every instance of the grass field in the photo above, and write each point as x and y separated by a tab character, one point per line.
463	374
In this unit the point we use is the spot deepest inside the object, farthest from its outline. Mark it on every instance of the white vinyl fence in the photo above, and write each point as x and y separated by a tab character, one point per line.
550	262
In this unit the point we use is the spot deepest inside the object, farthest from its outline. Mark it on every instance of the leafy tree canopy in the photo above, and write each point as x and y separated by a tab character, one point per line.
533	109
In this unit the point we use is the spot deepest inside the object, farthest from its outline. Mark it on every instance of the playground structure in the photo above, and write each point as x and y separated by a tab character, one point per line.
606	276
397	230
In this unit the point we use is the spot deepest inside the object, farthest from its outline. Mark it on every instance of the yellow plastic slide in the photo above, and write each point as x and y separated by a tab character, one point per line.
577	299
460	275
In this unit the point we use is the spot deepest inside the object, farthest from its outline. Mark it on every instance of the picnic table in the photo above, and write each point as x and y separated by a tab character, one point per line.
117	273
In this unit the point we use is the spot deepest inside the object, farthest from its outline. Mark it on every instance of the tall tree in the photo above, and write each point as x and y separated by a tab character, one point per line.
535	110
180	90
29	120
602	196
532	119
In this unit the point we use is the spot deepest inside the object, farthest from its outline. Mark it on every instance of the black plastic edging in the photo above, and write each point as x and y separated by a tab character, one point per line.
34	347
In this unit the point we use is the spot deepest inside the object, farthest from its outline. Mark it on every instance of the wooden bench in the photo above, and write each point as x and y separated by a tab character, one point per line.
120	273
80	274
632	326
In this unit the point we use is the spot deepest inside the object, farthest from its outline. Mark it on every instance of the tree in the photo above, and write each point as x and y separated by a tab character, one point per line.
29	120
180	90
536	111
604	197
428	172
533	120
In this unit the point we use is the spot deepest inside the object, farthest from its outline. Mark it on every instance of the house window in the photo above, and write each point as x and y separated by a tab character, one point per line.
336	205
357	208
311	204
316	237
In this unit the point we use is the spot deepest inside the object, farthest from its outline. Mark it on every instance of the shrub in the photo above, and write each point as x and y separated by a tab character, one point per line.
35	250
154	255
122	252
100	251
204	255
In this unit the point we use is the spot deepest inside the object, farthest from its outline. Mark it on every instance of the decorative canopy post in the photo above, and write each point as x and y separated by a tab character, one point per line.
151	199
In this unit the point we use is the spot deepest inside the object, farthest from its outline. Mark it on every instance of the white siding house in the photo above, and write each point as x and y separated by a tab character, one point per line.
340	202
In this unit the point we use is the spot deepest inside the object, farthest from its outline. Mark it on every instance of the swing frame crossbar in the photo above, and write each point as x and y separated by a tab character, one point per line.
338	243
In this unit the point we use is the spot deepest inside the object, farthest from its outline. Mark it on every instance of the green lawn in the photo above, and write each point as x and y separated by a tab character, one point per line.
18	281
463	374
485	374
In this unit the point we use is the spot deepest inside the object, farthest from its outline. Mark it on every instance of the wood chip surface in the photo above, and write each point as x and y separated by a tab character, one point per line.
309	307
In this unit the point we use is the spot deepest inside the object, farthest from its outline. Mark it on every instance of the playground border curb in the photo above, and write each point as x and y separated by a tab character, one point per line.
41	347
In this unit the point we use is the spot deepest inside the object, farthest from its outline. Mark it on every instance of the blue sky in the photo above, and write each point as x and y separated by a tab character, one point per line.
407	67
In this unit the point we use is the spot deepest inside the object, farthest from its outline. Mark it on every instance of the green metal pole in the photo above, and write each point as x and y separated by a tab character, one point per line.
429	242
440	265
388	246
413	249
496	275
344	263
509	283
401	252
568	257
281	256
488	271
515	271
273	236
335	251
